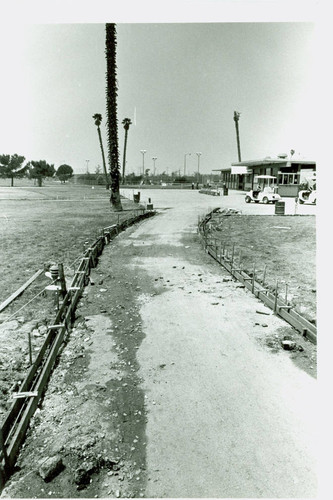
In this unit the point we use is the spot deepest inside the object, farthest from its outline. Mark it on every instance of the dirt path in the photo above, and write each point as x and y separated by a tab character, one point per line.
172	385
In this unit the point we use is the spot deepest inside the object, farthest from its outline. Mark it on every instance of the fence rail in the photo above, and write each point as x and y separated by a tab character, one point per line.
15	425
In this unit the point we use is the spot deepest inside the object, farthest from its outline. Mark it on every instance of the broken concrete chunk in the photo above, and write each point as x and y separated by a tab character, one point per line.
83	475
50	468
288	345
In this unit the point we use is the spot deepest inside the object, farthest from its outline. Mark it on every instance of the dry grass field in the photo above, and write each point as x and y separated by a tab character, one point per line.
52	224
286	245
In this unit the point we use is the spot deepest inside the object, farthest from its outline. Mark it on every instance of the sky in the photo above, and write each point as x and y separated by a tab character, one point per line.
179	83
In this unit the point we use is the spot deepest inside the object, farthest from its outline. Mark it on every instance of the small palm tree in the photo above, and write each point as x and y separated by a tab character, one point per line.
98	120
111	107
126	122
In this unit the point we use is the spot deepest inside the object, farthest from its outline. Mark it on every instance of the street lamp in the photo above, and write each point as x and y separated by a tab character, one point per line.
186	154
198	155
87	166
154	158
143	151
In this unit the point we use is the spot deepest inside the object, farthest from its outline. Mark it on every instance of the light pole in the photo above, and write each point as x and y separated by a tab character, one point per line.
198	155
186	154
87	166
143	151
154	158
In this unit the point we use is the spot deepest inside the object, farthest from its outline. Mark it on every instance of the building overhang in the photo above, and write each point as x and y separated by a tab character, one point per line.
259	163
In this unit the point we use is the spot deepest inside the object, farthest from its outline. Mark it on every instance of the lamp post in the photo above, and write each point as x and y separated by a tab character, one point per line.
186	154
87	166
198	155
143	151
154	158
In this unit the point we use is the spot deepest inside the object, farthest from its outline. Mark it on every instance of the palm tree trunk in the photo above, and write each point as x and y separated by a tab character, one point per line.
111	107
238	142
124	158
103	157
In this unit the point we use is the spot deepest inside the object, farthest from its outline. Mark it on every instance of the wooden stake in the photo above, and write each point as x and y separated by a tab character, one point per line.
4	452
286	297
253	278
62	280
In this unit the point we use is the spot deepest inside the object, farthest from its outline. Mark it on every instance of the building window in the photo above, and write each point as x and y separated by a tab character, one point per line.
284	178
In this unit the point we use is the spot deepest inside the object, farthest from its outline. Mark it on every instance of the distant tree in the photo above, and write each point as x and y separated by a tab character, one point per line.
39	170
98	120
98	170
111	107
126	122
11	167
181	179
64	173
132	178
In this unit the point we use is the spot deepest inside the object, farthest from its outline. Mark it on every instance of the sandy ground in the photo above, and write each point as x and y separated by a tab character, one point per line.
172	384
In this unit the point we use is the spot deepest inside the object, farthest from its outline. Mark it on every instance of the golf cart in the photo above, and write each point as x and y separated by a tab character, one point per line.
266	191
308	195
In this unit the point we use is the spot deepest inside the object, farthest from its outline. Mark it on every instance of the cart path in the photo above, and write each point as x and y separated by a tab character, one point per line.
226	417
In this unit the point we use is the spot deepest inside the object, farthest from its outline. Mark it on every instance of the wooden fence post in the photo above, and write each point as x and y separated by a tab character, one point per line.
3	470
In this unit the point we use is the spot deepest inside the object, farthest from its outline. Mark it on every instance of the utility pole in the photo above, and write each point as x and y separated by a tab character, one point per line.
236	118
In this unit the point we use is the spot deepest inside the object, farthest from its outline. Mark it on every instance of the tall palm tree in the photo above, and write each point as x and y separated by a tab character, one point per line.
126	122
98	120
236	119
111	108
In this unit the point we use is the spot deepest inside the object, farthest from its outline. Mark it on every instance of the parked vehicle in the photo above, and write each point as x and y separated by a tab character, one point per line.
267	193
307	196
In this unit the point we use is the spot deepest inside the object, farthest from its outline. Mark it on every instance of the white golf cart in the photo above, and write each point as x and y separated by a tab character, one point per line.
266	191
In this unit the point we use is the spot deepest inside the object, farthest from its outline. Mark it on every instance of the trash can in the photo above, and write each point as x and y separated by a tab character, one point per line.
225	191
136	198
280	208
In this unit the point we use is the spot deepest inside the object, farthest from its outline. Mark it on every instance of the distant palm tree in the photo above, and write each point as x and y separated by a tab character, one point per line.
126	122
98	120
111	108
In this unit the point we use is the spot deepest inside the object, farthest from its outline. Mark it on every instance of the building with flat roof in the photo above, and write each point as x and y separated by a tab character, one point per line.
290	172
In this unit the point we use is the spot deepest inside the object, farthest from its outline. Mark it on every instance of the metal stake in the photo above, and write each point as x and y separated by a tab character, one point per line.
264	275
30	348
276	296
